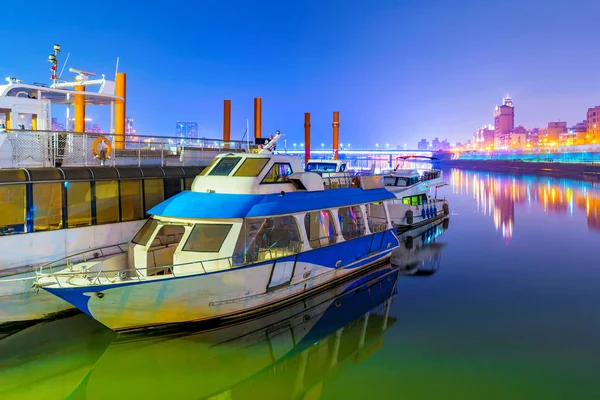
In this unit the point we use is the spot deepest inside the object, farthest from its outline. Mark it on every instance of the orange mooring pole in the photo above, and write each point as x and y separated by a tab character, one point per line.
120	91
257	117
306	138
336	134
226	122
79	125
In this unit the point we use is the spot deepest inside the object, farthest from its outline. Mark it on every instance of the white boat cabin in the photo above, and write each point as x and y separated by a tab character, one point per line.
246	208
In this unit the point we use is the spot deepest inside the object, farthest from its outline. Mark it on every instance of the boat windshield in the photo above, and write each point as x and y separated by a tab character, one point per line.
143	236
225	166
327	167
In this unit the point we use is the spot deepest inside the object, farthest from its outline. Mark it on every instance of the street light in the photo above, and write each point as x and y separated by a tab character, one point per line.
322	145
387	145
377	145
301	144
294	146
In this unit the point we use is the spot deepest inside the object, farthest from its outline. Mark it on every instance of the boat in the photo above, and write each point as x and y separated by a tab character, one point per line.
413	206
58	197
254	231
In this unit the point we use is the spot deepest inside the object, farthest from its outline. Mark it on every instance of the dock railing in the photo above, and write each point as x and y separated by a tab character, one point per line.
26	148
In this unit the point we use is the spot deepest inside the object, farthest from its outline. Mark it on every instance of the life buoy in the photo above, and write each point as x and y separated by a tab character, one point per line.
99	140
446	209
409	217
355	182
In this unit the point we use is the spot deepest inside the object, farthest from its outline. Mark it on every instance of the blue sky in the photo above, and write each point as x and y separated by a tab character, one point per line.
396	70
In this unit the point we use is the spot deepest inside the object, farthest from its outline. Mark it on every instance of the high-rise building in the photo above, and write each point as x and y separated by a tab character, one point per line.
423	145
484	138
56	126
593	125
130	132
192	130
180	129
504	116
186	130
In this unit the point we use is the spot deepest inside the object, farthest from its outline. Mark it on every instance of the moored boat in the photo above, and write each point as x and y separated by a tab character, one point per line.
413	206
254	231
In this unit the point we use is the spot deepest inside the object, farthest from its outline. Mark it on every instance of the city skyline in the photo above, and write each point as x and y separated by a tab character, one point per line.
382	67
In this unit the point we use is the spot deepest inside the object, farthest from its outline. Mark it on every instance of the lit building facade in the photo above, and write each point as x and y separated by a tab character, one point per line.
504	121
423	145
483	139
593	125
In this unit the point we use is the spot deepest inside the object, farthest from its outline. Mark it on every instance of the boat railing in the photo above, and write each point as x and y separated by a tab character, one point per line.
101	276
431	174
28	148
84	256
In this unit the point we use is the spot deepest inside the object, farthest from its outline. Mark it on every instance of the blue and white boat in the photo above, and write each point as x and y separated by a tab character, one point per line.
254	231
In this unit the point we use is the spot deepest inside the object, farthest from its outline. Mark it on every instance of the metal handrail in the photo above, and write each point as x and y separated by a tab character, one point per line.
51	264
95	275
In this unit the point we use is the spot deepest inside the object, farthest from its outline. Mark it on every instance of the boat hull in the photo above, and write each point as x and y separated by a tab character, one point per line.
226	294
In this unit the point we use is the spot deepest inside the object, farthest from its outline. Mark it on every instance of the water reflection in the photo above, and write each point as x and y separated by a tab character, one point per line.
497	194
289	353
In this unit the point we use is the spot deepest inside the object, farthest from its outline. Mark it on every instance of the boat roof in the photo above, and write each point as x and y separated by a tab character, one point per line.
60	96
402	173
199	205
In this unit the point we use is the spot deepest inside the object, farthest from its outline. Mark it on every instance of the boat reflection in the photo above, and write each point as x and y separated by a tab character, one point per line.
282	355
420	252
497	194
51	357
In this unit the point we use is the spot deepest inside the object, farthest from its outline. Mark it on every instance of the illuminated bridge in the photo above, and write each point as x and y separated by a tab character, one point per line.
382	158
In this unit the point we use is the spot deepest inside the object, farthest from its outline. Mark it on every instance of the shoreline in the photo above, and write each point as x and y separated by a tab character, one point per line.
556	169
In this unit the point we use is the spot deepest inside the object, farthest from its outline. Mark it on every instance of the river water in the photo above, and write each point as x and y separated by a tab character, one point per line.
500	301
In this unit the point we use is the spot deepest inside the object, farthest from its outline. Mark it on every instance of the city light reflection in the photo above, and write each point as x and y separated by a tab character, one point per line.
497	195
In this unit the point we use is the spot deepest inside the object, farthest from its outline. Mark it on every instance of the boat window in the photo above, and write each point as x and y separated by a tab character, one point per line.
131	200
47	206
208	167
389	181
144	234
154	192
320	228
278	173
327	167
207	238
351	222
415	200
188	183
168	235
12	209
251	167
225	166
79	204
267	238
402	182
343	168
107	202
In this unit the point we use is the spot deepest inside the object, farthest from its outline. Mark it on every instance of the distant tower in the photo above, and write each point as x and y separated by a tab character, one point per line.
181	129
504	119
129	129
192	130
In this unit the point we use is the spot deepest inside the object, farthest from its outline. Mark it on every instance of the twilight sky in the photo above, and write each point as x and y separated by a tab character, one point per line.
396	70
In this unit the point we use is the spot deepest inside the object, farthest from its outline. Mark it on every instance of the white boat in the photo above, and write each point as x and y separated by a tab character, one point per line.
254	231
413	206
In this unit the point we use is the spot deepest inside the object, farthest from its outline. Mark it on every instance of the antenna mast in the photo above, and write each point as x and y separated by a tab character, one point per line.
53	59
